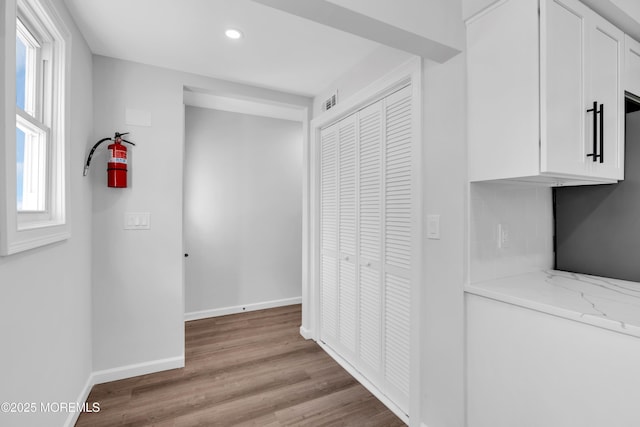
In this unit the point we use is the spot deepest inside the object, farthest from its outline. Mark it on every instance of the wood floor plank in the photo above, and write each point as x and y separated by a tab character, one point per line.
249	369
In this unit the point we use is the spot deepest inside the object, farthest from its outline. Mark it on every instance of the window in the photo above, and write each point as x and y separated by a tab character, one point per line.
35	202
32	133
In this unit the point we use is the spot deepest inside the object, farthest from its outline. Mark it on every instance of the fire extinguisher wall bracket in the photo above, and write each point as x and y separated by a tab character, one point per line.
117	162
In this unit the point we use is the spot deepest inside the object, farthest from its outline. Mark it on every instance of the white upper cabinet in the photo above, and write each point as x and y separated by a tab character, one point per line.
632	66
546	100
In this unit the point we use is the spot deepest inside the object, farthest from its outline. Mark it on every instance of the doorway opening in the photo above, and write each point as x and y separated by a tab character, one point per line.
243	209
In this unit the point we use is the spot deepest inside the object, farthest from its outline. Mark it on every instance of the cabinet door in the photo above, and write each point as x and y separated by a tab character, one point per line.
503	81
605	51
632	66
563	35
581	63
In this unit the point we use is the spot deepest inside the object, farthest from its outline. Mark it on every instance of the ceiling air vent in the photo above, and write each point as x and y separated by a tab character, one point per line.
331	101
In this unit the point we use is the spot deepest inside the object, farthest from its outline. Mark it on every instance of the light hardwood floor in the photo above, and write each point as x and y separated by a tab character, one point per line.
251	369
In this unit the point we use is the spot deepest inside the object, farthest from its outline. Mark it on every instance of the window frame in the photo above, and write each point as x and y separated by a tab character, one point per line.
33	102
24	230
36	165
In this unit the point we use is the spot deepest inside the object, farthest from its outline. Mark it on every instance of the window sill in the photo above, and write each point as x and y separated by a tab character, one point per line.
35	238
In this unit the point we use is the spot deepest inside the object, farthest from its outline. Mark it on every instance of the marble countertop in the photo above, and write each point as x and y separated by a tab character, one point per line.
607	303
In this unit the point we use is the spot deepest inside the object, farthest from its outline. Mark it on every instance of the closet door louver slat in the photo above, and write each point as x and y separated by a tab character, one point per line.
370	318
370	122
328	190
347	194
398	182
396	348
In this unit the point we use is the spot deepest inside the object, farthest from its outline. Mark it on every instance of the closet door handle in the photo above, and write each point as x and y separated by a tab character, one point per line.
601	112
595	131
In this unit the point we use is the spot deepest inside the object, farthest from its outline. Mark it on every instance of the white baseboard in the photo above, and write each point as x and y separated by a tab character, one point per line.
134	370
120	373
84	394
366	383
196	315
306	333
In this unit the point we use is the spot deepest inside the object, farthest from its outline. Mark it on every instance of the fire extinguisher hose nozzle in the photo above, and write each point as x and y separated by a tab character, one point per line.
93	149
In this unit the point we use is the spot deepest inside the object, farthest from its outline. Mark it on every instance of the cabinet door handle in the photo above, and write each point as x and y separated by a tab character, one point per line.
595	131
601	155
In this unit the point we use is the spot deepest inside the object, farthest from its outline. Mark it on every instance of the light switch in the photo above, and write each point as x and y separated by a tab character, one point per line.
504	236
433	227
137	220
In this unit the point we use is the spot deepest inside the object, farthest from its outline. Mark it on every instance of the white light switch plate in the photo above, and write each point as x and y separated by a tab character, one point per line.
137	220
433	227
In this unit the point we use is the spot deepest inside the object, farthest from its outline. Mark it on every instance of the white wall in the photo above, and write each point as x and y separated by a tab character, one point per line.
45	308
444	264
243	209
138	275
381	61
527	213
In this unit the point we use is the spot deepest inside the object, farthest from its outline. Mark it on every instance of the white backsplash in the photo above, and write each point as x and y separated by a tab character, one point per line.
527	214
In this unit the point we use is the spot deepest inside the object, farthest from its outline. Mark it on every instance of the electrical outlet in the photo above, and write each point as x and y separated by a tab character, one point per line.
503	236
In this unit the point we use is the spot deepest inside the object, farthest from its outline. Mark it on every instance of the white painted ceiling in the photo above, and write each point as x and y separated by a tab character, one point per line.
279	51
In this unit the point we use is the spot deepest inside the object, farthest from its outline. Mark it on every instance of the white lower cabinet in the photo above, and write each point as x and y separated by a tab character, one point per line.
366	256
532	369
546	98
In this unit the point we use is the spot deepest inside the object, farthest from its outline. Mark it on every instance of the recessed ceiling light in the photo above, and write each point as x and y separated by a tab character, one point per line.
234	34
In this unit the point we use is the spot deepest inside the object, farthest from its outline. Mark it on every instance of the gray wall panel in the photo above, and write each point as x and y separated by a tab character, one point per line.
598	227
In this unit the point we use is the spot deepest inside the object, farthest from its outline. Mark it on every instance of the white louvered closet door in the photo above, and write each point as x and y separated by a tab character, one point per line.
366	169
370	238
338	235
347	236
397	244
329	234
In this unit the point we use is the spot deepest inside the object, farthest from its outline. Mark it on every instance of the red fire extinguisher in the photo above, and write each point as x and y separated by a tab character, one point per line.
117	163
